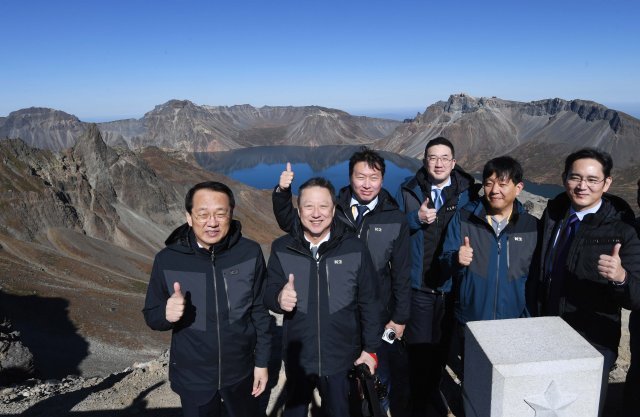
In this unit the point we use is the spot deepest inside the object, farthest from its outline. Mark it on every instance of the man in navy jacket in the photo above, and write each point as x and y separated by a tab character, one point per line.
489	248
207	287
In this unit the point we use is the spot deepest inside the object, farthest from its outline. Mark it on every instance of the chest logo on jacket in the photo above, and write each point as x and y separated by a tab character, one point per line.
377	229
337	261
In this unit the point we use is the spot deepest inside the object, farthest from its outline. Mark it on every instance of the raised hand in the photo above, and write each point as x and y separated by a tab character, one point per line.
610	266
175	304
465	253
286	178
288	297
426	214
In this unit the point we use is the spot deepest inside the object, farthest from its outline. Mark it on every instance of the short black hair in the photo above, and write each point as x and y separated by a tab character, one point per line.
440	140
208	185
371	157
505	167
589	153
318	182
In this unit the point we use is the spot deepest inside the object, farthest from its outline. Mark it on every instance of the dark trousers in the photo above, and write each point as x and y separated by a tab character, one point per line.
428	335
238	401
393	371
632	384
334	392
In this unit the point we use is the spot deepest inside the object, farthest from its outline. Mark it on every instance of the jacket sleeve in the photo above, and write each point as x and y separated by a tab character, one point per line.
629	293
401	276
369	305
260	315
412	216
450	248
275	282
155	302
283	209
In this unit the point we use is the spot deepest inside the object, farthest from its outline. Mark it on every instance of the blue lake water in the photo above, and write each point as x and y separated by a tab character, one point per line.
260	166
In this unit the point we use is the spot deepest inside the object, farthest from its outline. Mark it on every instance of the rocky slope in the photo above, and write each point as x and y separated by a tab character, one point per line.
78	231
183	125
540	134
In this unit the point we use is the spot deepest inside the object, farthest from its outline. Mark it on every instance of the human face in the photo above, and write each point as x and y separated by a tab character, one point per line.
316	212
439	163
366	182
500	193
210	216
585	183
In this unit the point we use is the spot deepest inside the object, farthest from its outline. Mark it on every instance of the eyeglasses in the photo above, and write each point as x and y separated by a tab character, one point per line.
590	181
203	218
432	159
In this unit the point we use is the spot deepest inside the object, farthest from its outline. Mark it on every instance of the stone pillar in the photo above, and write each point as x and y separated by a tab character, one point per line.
529	367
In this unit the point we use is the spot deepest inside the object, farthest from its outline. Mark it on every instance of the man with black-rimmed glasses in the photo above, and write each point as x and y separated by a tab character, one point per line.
590	256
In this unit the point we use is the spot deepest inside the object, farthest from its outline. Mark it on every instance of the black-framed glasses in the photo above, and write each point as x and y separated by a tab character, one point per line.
432	159
590	181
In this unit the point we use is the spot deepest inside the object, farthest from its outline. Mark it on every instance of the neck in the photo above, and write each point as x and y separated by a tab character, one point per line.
437	183
315	239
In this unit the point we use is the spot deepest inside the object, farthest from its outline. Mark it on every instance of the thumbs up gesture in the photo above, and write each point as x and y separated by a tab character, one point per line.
610	266
175	304
425	213
286	178
288	297
465	253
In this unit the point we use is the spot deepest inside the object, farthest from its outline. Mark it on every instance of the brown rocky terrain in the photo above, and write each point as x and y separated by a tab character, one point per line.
78	231
183	125
79	225
539	134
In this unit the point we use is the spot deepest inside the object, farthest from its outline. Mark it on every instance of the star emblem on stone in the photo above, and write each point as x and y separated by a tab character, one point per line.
551	403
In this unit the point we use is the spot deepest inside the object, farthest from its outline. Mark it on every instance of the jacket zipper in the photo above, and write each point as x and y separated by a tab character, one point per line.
215	291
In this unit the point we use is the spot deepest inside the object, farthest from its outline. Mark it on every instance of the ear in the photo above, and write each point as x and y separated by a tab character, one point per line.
453	163
519	187
189	219
607	184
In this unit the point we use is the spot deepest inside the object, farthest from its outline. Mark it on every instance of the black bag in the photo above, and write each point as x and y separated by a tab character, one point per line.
367	392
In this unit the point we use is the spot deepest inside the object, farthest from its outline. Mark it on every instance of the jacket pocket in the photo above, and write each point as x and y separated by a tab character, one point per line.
238	284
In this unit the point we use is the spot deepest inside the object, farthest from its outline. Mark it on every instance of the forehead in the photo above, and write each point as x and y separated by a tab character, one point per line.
315	193
587	166
439	150
363	168
495	178
210	199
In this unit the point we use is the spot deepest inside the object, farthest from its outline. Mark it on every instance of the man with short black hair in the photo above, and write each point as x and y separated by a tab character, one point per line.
319	278
590	256
207	287
429	200
489	246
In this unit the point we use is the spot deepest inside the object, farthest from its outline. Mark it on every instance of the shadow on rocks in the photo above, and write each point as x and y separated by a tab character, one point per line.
46	330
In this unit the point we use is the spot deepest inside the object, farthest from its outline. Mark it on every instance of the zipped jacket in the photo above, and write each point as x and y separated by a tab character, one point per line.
493	285
589	302
224	332
427	239
385	232
337	311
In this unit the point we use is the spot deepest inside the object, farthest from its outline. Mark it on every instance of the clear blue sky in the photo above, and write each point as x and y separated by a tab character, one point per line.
104	60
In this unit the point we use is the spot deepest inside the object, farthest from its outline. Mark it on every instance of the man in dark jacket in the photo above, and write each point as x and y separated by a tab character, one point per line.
319	277
489	247
590	255
429	200
383	228
207	286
